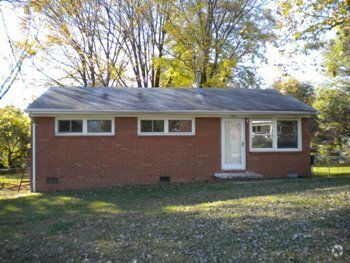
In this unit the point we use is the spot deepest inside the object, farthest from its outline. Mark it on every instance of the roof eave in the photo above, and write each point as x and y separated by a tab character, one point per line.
58	112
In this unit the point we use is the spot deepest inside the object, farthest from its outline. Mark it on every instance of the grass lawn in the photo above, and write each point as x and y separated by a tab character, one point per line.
271	221
332	171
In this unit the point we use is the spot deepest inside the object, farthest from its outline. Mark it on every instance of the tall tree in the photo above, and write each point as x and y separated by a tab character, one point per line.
14	136
309	20
337	55
333	99
19	51
142	23
152	43
81	41
333	104
220	38
300	90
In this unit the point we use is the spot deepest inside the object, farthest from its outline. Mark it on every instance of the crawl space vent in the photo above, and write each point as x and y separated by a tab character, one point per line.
52	180
164	179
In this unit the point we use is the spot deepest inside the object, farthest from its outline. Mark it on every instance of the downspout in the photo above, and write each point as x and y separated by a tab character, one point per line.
33	157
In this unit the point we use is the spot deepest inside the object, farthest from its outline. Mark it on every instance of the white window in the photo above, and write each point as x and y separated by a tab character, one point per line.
84	126
152	126
287	134
262	134
168	126
70	126
180	126
275	135
102	126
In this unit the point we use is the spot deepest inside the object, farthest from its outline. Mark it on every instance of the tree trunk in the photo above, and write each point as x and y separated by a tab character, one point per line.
9	160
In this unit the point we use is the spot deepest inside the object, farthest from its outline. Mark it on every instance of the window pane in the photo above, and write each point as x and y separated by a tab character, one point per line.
106	126
99	126
146	126
264	141
262	127
158	126
70	126
261	134
63	126
180	126
93	126
152	125
77	126
287	134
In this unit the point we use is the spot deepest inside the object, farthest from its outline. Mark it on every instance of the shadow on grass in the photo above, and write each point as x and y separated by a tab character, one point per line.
176	223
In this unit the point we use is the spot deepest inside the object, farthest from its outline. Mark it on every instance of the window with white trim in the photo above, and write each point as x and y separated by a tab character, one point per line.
287	134
70	126
84	126
99	126
275	135
180	125
152	126
262	134
173	126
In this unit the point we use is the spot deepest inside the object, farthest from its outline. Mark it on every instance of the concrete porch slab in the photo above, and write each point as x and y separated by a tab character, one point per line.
237	176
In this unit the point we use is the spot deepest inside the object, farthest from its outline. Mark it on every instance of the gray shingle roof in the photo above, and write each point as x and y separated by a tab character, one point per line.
157	100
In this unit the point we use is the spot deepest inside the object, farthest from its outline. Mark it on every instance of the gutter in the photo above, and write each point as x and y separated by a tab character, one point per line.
55	112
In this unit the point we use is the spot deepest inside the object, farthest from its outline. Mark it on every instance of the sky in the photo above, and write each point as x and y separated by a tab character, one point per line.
23	90
26	89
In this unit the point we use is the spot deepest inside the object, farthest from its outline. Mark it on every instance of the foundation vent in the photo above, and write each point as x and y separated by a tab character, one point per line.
164	179
52	180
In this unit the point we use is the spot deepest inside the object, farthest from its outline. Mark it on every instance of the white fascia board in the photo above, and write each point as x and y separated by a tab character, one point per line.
54	112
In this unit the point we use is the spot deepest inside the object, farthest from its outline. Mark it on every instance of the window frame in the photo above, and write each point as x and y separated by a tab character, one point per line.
71	120
85	128
271	134
166	126
151	119
274	135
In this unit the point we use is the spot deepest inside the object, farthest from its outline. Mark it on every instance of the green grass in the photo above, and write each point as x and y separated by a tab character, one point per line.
331	171
271	221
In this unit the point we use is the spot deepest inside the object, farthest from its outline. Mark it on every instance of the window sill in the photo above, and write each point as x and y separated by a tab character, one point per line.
83	134
276	151
165	134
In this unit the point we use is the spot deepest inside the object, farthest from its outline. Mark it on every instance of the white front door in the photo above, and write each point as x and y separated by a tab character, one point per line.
232	144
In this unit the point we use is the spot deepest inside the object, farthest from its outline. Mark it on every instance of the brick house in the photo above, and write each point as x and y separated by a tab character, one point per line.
99	137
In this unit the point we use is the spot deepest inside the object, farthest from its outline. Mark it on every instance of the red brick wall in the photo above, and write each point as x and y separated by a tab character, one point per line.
126	158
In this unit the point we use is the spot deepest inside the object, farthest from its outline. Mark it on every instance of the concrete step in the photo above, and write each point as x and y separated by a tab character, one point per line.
238	176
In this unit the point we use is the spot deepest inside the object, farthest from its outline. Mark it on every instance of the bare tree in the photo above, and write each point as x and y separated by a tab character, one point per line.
142	23
19	52
82	43
221	38
151	43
